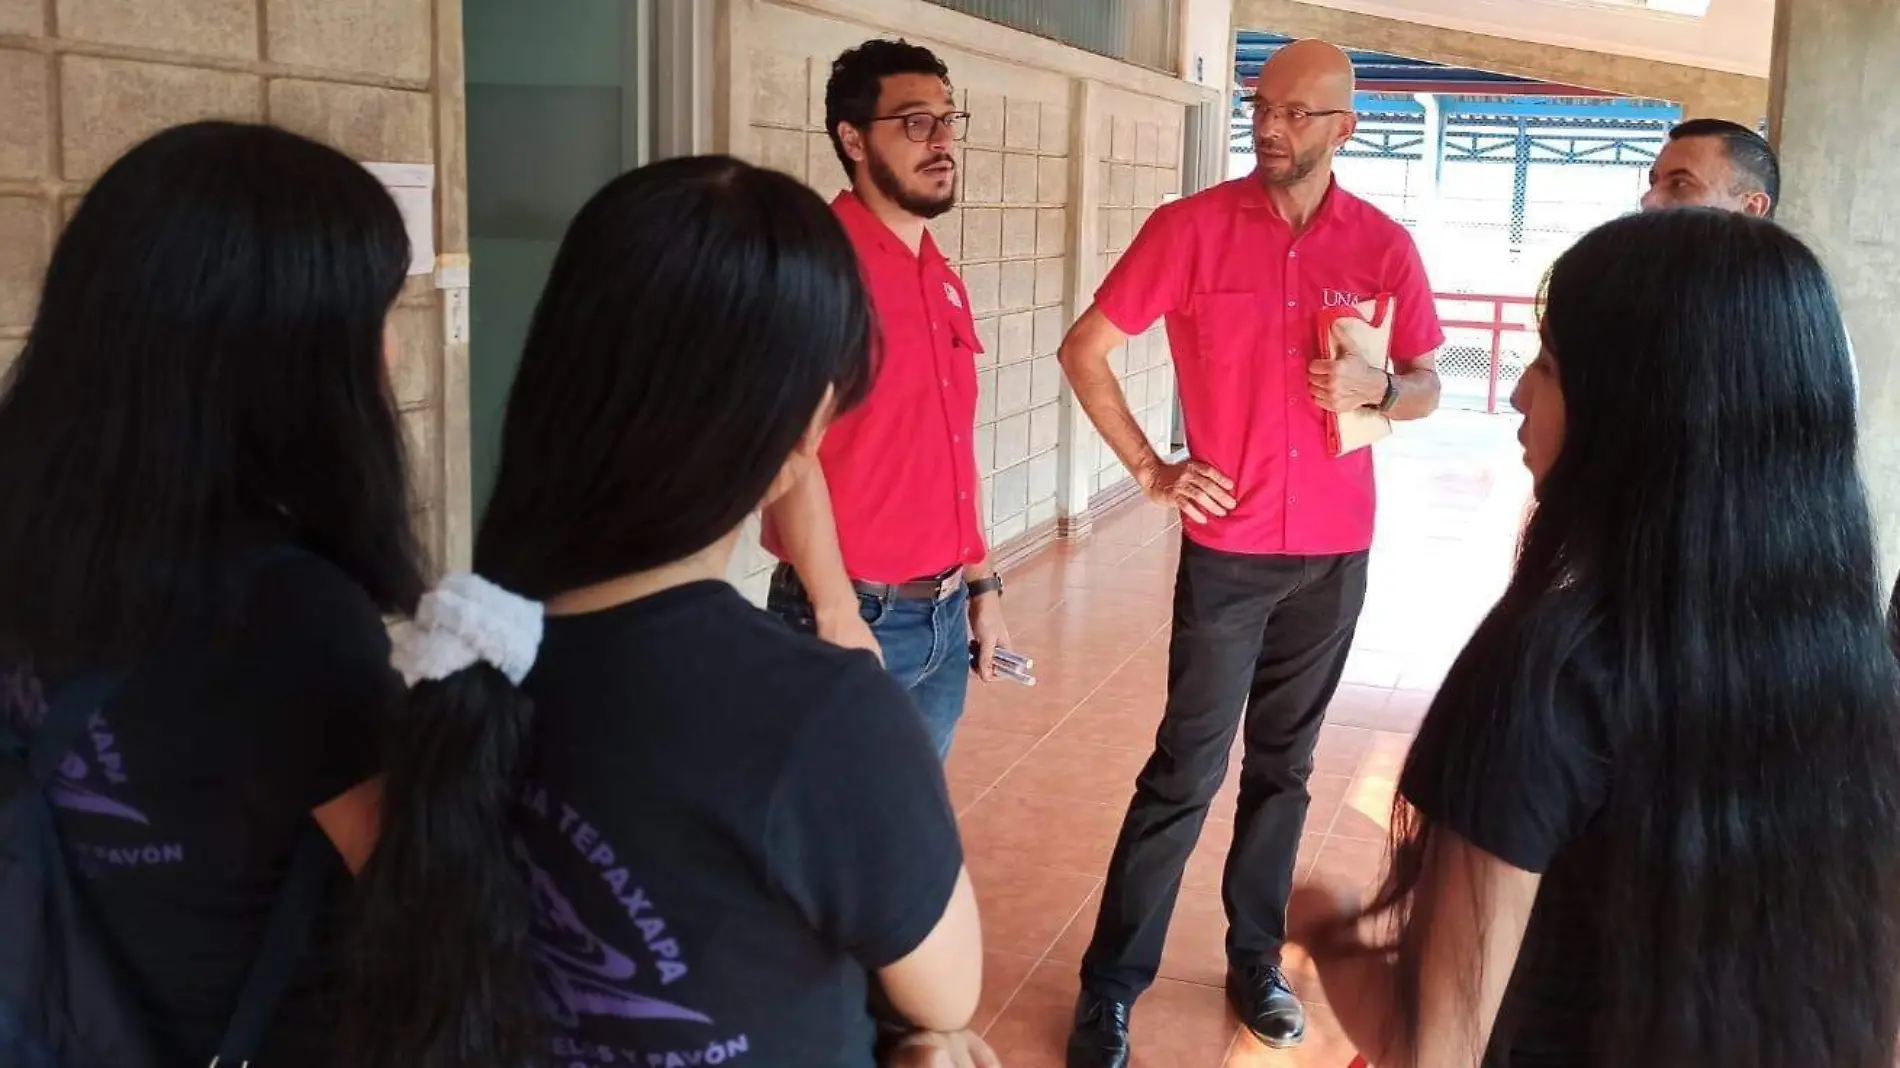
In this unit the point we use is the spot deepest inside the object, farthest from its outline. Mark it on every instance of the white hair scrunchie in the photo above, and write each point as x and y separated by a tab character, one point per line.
464	621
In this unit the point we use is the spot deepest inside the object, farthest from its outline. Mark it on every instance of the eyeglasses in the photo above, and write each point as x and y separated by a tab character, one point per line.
1293	116
921	126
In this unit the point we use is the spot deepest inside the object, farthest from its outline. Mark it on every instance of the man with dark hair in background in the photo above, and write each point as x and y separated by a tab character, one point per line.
1714	163
881	544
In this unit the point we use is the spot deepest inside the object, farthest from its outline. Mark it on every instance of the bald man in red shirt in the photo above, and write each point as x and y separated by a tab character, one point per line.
1273	564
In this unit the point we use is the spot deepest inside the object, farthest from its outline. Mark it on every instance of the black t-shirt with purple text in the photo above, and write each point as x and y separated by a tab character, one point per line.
189	790
728	828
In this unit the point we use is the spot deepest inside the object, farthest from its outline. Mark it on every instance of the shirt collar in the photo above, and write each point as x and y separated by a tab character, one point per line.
1254	195
866	228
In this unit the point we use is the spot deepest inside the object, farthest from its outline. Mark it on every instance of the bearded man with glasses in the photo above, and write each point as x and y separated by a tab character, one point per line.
880	543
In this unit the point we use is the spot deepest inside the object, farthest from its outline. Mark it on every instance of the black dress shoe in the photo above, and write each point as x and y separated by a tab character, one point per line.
1100	1038
1267	1005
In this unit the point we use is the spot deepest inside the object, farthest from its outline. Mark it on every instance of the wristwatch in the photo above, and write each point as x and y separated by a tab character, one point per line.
993	584
1391	392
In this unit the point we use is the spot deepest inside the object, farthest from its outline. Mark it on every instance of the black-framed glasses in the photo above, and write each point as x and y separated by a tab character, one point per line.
1294	116
921	126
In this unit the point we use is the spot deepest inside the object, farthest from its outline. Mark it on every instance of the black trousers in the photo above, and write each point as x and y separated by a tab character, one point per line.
1266	636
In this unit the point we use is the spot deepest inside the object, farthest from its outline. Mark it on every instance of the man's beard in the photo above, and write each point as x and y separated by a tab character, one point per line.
924	207
1301	167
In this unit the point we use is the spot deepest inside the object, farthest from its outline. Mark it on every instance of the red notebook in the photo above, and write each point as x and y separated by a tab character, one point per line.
1358	331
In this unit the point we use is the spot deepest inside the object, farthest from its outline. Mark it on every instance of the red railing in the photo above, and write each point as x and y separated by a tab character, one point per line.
1497	326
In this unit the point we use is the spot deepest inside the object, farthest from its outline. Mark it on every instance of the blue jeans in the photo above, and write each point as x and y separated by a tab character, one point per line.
926	647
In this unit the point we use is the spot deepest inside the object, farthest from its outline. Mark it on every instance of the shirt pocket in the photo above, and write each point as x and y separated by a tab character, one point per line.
966	355
1226	327
963	336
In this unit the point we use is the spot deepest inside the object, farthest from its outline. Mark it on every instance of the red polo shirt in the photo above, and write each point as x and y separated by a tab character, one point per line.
1241	295
902	465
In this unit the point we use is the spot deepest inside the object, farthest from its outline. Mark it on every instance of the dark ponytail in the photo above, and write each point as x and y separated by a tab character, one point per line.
440	945
698	314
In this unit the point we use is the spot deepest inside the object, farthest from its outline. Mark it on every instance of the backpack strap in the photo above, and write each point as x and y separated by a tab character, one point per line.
286	935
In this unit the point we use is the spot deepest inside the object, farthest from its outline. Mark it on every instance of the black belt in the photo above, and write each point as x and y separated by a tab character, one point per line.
940	588
935	589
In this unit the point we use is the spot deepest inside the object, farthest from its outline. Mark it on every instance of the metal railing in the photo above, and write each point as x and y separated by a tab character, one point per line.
1463	364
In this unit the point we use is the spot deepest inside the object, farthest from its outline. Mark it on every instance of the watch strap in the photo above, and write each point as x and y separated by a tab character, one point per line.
1391	392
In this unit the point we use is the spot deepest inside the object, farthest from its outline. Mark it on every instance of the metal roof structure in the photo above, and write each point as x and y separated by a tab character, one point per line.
1380	72
1472	101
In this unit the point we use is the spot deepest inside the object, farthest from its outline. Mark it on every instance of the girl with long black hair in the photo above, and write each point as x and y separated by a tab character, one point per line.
1653	816
205	499
630	818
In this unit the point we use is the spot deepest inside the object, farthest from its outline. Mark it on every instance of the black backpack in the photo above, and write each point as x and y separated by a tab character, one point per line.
62	1001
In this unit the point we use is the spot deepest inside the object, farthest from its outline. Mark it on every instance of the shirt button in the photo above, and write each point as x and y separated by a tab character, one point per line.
956	439
946	383
963	496
1292	303
1293	254
1294	454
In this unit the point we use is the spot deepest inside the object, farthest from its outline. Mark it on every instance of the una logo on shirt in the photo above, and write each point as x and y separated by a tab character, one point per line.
1339	298
88	778
950	293
579	975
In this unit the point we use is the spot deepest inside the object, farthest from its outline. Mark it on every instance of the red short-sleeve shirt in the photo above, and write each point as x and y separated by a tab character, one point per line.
902	466
1241	295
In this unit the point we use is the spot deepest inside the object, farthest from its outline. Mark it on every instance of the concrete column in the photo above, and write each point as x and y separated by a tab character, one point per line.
1085	240
1832	121
685	38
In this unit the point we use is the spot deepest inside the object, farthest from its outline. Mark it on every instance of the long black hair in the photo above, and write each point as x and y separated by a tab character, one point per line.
699	312
206	367
1702	550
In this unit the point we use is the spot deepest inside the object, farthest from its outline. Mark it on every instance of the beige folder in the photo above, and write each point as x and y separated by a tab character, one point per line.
1360	331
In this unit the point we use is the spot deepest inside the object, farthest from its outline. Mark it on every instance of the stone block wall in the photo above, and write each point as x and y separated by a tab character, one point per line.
83	80
1009	235
1138	167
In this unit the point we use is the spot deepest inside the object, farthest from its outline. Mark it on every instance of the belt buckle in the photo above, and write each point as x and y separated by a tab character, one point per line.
947	586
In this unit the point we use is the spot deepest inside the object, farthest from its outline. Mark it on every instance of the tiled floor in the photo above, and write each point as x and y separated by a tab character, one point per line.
1041	776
